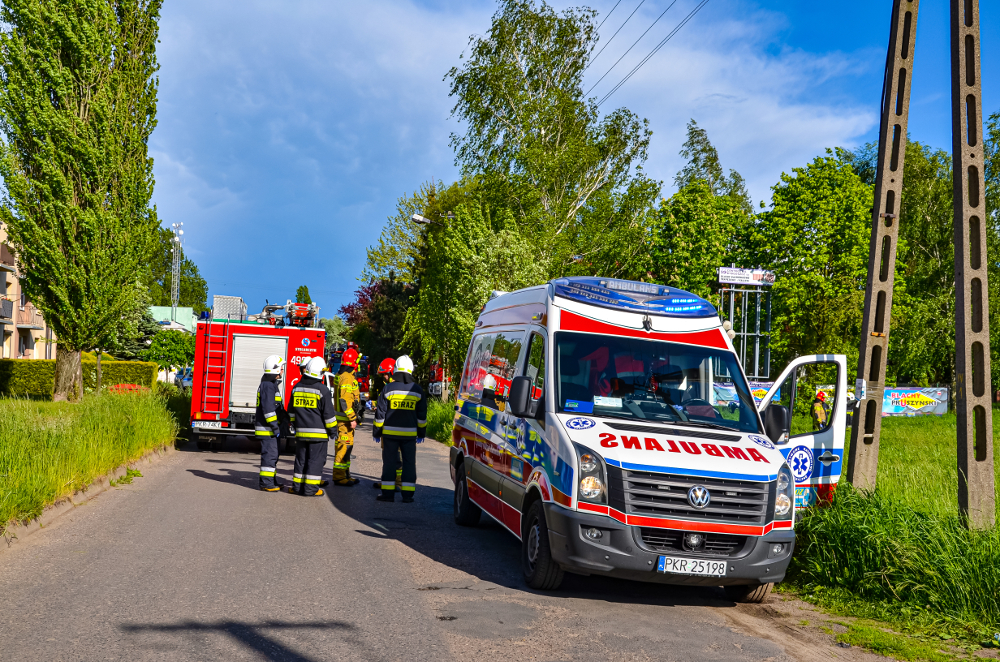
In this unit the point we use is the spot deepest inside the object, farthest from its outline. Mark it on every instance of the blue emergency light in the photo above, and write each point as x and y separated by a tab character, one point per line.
633	296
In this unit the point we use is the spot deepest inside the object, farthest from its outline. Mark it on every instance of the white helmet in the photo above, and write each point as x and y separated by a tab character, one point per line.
404	364
314	367
490	382
273	365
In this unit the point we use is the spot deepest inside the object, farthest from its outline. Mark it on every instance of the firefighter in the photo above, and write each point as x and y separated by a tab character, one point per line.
819	413
385	370
400	424
267	423
315	420
346	397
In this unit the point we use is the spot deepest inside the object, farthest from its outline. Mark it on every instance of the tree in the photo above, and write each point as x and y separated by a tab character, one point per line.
377	317
171	349
538	147
336	331
815	237
302	295
193	288
696	233
77	106
472	256
703	164
131	347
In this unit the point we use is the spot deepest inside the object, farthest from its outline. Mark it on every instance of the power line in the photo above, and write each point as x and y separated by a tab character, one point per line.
609	14
653	52
631	47
614	35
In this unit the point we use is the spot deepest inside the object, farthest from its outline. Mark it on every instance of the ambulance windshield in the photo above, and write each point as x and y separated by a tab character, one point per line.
651	380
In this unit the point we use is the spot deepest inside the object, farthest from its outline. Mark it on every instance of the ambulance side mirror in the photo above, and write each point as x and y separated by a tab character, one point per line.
776	424
519	401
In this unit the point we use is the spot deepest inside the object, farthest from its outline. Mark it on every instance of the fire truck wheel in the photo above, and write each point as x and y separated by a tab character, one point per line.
204	445
466	512
540	570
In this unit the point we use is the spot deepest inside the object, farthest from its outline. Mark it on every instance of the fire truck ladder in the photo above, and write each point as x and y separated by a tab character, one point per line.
219	360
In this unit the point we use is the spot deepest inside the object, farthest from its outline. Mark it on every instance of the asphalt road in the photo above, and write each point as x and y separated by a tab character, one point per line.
191	561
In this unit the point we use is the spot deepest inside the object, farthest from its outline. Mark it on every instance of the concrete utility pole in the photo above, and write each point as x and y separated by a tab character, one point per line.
862	464
175	271
976	489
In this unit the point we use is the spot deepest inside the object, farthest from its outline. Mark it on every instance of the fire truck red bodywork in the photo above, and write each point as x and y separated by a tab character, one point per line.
217	357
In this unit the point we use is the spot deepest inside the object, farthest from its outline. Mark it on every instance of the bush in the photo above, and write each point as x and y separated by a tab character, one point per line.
24	378
48	450
119	372
440	419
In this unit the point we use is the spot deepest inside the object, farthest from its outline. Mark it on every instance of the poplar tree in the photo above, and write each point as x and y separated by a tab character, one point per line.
77	105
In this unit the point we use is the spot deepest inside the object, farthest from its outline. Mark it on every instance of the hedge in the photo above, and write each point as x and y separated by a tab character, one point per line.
35	378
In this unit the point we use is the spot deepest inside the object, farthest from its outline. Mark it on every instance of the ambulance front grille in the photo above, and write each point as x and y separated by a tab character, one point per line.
716	544
666	495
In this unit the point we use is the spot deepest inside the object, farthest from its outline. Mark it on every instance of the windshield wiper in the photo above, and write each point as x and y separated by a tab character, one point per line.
712	426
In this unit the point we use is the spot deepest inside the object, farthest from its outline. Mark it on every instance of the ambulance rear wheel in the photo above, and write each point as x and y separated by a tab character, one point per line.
466	512
540	570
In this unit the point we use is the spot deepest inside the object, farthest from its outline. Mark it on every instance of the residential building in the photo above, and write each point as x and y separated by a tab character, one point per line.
25	333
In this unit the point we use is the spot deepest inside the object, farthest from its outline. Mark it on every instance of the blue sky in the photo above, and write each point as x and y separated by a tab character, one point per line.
288	130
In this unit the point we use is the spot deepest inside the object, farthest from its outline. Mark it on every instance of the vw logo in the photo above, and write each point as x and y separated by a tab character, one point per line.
580	423
699	497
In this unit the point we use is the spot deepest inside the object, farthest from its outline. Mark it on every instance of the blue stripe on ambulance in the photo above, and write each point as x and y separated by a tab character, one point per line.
691	472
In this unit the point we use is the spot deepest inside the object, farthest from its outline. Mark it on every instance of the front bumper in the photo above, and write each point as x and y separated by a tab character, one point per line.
622	553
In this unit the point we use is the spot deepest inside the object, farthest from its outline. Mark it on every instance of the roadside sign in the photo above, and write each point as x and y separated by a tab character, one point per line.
732	276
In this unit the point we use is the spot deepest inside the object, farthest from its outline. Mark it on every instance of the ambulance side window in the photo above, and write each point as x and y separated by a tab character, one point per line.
535	365
503	363
480	351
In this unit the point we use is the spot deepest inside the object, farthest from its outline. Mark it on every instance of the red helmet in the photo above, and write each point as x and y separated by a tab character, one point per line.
821	395
387	367
350	359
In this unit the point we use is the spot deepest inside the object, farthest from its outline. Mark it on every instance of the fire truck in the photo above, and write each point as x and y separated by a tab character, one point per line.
230	348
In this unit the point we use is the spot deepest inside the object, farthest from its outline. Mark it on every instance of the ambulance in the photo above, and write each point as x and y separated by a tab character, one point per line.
609	426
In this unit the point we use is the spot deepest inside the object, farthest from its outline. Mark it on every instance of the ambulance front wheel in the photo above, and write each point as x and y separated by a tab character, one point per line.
748	594
466	512
540	570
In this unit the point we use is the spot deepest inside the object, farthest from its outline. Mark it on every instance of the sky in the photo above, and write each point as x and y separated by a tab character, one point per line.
287	131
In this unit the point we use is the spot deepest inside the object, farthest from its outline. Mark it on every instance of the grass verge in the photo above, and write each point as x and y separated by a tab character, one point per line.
901	554
48	450
440	420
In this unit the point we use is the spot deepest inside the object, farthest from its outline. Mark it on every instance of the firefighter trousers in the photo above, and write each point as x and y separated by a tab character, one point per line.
394	448
268	461
308	471
399	469
342	452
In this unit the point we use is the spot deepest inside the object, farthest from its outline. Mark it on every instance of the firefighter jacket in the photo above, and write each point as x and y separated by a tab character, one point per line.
402	409
312	412
346	396
269	408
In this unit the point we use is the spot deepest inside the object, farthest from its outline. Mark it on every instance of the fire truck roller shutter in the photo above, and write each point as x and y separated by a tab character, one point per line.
249	353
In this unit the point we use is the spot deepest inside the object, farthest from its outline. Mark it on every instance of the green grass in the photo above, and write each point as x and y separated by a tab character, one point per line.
440	419
902	554
48	450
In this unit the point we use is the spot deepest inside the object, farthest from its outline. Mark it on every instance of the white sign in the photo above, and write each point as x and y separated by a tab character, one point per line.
745	276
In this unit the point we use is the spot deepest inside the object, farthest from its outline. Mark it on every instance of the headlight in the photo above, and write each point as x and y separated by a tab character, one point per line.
593	476
784	498
591	487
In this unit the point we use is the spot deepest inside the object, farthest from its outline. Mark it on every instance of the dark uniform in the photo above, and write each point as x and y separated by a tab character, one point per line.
399	459
400	418
315	421
267	429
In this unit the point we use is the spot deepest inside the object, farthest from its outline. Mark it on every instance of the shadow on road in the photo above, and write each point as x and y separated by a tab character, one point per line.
248	479
250	635
489	552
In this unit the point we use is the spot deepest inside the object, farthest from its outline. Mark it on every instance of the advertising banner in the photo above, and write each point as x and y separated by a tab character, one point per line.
915	401
759	389
731	276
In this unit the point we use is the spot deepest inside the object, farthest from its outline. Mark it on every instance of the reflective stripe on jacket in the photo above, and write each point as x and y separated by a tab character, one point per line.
312	411
402	409
269	408
346	395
